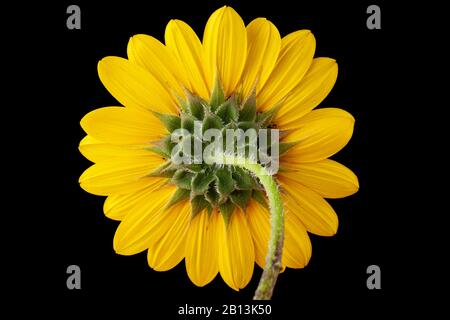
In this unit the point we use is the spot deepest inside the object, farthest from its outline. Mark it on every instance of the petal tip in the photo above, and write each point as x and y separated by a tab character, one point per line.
355	183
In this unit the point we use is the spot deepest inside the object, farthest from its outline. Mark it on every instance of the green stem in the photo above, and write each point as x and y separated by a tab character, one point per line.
275	247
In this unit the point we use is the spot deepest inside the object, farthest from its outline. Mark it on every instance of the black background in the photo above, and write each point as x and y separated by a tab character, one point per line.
75	231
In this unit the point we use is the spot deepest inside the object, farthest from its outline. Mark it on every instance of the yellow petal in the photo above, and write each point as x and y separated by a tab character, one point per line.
116	175
297	247
296	54
320	134
236	251
201	248
328	178
184	44
311	209
101	152
153	56
118	125
309	93
89	140
264	43
117	206
225	44
168	251
259	225
134	87
88	148
144	224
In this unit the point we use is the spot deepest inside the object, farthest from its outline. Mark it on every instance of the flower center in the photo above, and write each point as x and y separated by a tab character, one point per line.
205	130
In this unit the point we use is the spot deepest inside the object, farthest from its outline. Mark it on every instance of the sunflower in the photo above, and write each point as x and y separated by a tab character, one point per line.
216	218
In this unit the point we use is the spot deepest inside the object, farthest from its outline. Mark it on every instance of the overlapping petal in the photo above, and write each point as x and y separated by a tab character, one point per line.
117	206
312	89
119	174
225	44
264	43
134	87
184	44
259	225
97	151
294	60
311	209
202	245
168	251
328	178
146	223
156	58
236	251
118	125
297	247
319	135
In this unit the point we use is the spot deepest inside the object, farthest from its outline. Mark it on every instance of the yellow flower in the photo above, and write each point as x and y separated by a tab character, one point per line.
216	218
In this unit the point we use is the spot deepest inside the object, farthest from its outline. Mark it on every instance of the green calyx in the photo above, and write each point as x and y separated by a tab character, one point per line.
211	185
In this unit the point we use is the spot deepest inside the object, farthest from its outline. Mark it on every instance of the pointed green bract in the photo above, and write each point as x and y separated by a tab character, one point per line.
265	118
198	203
217	96
196	106
201	181
181	102
224	181
241	198
179	195
171	122
187	122
182	179
160	171
248	111
243	179
158	150
283	147
163	147
193	167
260	197
213	197
212	121
228	111
226	210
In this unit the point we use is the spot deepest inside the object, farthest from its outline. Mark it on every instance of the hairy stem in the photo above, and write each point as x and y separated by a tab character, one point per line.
275	246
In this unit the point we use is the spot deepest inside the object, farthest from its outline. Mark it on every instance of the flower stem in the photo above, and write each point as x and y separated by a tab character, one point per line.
275	246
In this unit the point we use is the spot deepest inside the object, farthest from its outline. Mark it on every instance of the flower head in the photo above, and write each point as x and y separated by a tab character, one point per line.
215	216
